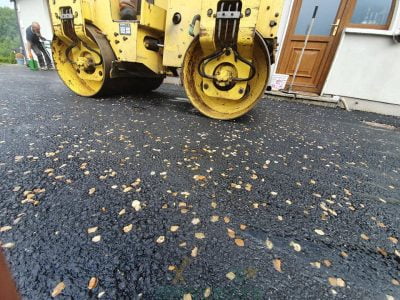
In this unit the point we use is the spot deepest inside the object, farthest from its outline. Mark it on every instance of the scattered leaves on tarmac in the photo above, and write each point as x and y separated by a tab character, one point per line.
336	282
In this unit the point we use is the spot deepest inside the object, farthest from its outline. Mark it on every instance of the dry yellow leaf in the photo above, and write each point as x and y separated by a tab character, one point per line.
5	228
96	239
277	265
230	275
239	242
344	254
127	228
199	177
214	219
231	233
336	282
171	268
327	263
248	187
295	246
58	289
395	282
174	228
92	191
136	205
243	227
364	237
213	204
195	251
93	283
227	219
122	212
254	176
161	239
8	245
92	229
316	264
319	232
196	221
207	292
187	297
199	235
269	244
393	240
127	189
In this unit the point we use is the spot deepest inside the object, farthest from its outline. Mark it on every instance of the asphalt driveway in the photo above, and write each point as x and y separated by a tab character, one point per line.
141	197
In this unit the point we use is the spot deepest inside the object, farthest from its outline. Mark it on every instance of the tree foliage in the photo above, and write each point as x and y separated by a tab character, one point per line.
9	35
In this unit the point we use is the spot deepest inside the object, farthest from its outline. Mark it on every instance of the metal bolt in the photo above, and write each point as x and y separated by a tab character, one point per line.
209	12
241	91
205	86
247	12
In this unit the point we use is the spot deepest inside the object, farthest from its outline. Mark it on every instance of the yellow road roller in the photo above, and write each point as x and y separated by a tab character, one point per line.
221	49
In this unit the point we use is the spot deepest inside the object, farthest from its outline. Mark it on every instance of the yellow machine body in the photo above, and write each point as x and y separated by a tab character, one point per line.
221	49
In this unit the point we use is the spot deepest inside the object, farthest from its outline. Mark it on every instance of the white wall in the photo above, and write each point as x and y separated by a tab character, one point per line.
34	10
367	67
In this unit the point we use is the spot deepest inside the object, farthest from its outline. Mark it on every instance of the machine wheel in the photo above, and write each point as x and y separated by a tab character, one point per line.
85	81
129	85
219	108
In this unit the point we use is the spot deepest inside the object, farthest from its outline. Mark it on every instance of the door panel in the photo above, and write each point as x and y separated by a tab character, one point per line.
321	44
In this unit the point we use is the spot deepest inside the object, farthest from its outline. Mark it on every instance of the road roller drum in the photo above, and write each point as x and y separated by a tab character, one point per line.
222	50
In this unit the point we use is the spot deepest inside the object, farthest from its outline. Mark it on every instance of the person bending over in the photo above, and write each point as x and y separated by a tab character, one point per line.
35	38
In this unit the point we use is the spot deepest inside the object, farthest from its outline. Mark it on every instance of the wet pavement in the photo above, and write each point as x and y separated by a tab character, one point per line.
141	197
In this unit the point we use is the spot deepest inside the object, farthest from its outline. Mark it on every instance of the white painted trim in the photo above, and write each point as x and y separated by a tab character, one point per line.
283	27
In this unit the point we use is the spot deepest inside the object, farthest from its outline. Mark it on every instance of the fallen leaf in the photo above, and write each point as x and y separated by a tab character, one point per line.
393	240
207	292
227	220
214	205
243	227
214	219
161	239
336	282
199	177
199	235
122	212
230	275
127	189
127	228
295	246
92	191
92	283
269	244
327	263
5	228
194	252
187	297
92	229
277	265
248	187
171	268
136	205
316	264
174	228
231	233
239	242
96	239
196	221
395	282
8	245
364	237
58	289
319	232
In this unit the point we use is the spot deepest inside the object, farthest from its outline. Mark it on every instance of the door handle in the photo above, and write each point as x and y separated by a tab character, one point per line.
335	27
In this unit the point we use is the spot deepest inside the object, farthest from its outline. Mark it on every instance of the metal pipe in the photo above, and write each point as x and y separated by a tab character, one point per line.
310	27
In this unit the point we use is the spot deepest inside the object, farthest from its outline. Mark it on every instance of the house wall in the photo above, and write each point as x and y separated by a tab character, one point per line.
29	11
366	66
